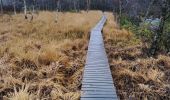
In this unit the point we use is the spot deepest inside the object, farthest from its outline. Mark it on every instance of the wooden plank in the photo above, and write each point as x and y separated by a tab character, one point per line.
98	79
102	70
92	81
97	90
91	73
98	96
97	67
97	84
94	69
89	86
99	60
98	93
95	72
86	98
90	77
99	75
99	64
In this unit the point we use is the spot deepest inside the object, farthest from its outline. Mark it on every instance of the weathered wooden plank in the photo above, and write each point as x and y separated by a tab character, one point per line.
99	79
97	95
97	84
88	66
92	81
99	60
97	73
97	66
94	86
91	77
100	73
97	90
93	69
113	98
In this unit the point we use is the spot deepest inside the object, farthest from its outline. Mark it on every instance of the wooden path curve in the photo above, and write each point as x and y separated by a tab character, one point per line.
97	83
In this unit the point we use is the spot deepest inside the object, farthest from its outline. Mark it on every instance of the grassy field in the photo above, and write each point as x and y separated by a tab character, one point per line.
44	59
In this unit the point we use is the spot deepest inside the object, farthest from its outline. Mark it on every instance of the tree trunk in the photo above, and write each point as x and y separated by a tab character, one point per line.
14	5
75	5
78	6
120	12
25	9
120	8
88	5
33	6
155	46
58	5
33	11
1	7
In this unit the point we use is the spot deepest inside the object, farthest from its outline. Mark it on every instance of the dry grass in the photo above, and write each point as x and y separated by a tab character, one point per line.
50	56
135	75
145	78
114	34
47	55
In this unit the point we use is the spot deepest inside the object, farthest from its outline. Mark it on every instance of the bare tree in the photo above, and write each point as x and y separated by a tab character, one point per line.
120	8
78	6
75	5
33	7
1	6
118	18
57	10
14	6
88	5
33	11
25	9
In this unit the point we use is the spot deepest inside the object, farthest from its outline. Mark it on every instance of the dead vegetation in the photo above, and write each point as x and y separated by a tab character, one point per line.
44	59
136	76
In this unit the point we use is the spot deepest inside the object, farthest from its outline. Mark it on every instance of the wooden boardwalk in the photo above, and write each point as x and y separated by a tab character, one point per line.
97	83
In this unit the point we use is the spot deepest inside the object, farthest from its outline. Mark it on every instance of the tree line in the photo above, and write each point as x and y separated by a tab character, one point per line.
132	7
62	5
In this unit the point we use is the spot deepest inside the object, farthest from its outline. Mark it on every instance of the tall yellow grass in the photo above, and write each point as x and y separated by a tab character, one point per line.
21	36
46	53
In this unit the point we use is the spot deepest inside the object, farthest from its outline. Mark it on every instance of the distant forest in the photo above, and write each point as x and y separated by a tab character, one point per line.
130	7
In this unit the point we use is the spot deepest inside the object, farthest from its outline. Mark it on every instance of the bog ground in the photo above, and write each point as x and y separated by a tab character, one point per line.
45	59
